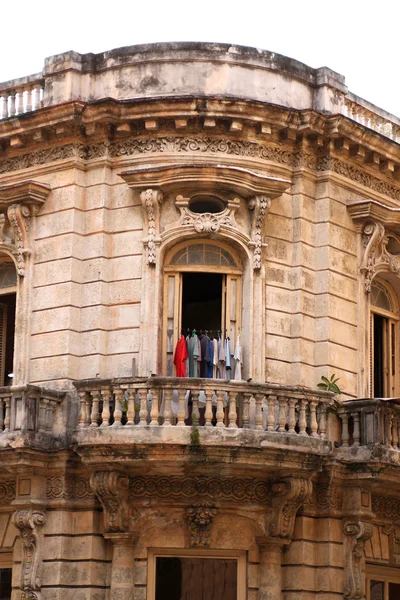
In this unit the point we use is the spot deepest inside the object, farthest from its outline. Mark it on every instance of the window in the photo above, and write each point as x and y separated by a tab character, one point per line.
5	584
8	287
383	583
383	342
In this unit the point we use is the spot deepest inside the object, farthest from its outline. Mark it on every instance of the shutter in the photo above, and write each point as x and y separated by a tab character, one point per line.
371	355
172	317
233	308
3	338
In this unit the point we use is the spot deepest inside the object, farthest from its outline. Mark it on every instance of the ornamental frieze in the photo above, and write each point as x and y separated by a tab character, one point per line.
386	507
7	491
68	488
197	144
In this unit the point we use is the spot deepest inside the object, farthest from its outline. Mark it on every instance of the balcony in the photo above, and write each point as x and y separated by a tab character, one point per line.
212	418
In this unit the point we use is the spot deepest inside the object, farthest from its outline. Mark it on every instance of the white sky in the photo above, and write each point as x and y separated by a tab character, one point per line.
357	38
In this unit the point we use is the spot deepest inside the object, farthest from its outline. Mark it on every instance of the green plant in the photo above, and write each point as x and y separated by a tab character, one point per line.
194	434
329	385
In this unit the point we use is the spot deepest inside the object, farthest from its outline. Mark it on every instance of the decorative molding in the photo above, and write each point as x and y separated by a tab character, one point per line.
200	520
376	257
18	204
325	497
7	491
386	507
151	200
356	534
67	487
111	488
260	206
240	490
393	531
30	523
287	497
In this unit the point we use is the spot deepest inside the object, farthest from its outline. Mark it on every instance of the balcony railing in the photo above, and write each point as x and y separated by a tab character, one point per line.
166	402
28	408
370	422
22	96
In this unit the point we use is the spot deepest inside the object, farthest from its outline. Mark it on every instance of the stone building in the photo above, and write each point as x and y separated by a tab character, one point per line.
155	191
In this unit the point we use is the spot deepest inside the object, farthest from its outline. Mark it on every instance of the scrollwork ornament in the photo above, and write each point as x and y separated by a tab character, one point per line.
200	524
29	523
151	200
206	222
287	497
357	533
111	488
376	257
260	205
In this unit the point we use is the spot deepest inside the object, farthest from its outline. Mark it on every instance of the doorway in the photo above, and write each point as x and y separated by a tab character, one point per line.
202	301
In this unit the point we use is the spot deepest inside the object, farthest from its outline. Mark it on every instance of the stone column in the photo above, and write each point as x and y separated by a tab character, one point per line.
122	579
270	569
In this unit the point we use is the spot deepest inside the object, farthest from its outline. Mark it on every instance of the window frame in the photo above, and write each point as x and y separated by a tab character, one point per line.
381	573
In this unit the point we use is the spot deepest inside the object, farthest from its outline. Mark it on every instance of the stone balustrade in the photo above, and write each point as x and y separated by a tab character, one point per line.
370	422
372	118
21	96
28	408
165	402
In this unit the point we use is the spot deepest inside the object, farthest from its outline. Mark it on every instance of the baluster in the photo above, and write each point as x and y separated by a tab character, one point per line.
51	405
292	415
208	415
4	106
282	413
271	413
95	408
345	429
36	94
313	418
181	407
246	410
395	437
82	409
232	411
388	426
356	432
195	407
105	415
28	105
258	416
167	411
130	413
322	421
1	414
7	413
398	432
154	407
20	105
302	417
12	103
42	415
117	408
220	408
143	406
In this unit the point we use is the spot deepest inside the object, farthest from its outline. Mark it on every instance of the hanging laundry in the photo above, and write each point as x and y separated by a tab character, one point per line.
215	358
228	355
221	359
198	358
205	354
238	360
192	343
210	360
180	357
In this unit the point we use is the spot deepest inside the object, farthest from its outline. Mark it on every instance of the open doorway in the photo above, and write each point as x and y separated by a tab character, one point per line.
202	301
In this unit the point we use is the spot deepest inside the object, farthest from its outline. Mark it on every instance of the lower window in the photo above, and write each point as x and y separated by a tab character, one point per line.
5	584
383	585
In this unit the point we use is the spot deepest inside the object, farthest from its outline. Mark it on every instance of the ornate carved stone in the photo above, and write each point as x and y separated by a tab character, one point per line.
111	488
68	487
376	257
30	523
357	533
393	531
386	507
287	497
151	200
200	523
260	206
18	204
206	222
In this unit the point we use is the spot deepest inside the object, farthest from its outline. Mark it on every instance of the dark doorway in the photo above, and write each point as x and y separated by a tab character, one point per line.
196	578
202	301
5	584
7	333
379	356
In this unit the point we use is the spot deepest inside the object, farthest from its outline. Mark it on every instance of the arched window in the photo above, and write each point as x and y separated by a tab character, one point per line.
202	291
384	341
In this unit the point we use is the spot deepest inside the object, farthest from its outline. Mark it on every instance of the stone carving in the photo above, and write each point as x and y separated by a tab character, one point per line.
376	257
200	522
67	487
111	488
206	222
260	205
151	200
386	507
30	523
357	533
393	531
287	497
241	490
326	497
7	491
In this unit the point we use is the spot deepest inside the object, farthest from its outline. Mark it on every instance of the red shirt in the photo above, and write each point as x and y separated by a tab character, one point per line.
180	357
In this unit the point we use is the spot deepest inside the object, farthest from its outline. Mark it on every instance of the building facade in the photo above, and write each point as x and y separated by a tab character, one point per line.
204	199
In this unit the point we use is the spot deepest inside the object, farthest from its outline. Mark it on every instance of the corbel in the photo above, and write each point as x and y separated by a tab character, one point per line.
260	206
288	495
200	520
151	201
111	489
30	523
19	203
356	534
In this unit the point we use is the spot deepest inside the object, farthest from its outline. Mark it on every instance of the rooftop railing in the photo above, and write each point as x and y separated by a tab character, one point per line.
370	422
22	96
28	408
